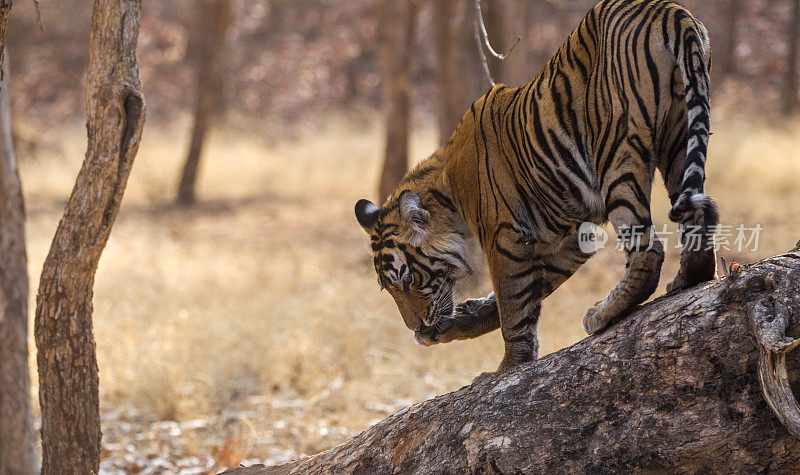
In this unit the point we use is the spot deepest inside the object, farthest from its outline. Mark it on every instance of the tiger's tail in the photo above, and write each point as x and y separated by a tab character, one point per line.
691	48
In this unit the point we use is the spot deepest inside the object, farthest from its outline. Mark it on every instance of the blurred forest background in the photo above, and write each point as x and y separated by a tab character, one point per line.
236	311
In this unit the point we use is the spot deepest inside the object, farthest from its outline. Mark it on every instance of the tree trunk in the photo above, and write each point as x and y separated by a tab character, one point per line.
732	15
520	65
517	66
216	16
456	52
449	67
790	82
397	20
17	441
5	8
68	392
685	384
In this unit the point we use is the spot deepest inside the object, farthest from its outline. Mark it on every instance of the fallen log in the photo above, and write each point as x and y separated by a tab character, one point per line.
694	382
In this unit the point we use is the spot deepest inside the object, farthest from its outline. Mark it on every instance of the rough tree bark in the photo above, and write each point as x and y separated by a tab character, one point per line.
790	102
684	384
17	440
398	19
215	19
68	382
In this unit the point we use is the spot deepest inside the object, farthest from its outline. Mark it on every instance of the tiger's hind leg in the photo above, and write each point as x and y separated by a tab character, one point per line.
628	207
698	262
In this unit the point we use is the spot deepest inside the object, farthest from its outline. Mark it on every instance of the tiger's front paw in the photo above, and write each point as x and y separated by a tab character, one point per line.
425	339
435	334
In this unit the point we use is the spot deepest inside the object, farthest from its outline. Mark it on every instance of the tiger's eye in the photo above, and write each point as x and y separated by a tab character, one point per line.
408	279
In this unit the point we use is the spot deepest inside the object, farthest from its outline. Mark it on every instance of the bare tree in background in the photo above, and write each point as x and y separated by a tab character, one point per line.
397	26
473	79
790	82
68	382
520	67
448	66
732	15
215	17
459	73
458	63
17	440
17	449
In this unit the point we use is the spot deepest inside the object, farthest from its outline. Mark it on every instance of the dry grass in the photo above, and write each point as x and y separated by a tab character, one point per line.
267	288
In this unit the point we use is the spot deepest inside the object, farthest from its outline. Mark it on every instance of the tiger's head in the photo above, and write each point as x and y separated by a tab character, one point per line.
419	253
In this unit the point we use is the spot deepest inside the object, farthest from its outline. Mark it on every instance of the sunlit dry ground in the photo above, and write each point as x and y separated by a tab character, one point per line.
252	326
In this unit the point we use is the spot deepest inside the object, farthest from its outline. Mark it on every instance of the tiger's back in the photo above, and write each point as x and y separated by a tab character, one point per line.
609	104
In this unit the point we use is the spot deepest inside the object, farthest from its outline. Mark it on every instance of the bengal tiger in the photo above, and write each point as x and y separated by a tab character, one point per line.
626	94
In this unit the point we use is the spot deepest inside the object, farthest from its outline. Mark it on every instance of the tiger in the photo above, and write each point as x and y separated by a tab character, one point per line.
626	94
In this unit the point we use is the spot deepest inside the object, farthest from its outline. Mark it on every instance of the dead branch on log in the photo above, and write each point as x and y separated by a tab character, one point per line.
683	384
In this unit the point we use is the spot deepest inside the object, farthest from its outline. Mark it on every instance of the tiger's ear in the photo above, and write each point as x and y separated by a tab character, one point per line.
414	215
367	214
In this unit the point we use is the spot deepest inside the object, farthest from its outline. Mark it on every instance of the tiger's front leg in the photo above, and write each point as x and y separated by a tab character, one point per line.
519	333
471	319
523	274
520	287
520	302
519	309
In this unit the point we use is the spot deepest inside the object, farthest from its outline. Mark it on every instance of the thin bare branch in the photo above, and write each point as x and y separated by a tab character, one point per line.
483	56
482	38
38	15
485	35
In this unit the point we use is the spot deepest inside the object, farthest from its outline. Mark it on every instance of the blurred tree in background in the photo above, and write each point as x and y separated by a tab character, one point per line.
213	21
726	58
397	44
17	439
17	449
449	61
459	74
498	26
790	83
